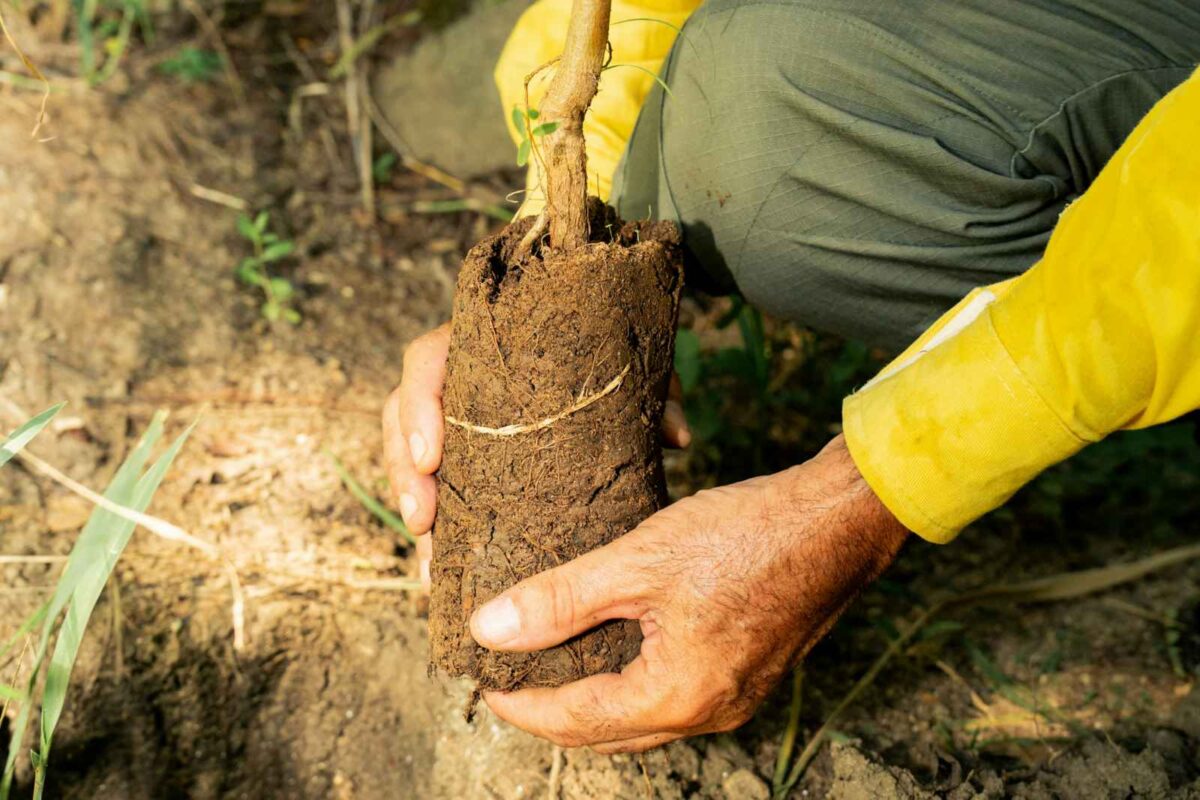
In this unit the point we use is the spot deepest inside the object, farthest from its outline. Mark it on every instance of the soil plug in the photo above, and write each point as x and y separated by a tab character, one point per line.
560	356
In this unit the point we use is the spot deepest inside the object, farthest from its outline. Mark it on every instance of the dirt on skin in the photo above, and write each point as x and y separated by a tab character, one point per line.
575	350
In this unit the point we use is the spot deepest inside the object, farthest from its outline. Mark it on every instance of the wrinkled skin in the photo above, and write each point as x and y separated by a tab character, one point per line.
732	586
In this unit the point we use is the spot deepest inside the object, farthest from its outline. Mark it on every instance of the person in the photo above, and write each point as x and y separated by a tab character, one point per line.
1011	193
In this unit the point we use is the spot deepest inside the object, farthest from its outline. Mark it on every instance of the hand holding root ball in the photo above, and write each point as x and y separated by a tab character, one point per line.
413	431
731	586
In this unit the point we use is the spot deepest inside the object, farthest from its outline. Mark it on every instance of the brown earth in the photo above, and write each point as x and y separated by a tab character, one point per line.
117	295
533	337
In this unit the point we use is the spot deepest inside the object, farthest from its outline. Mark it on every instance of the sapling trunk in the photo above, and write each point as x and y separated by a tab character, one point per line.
559	362
567	100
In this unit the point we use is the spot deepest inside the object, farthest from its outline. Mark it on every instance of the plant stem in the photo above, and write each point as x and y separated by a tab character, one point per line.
566	102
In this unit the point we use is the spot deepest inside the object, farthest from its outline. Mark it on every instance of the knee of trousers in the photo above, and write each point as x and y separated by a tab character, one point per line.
810	161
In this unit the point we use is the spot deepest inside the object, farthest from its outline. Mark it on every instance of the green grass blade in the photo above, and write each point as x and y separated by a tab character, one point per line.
109	537
120	490
788	743
31	622
17	440
369	502
492	210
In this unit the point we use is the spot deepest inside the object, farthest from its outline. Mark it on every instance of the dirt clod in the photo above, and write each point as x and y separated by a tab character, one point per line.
745	784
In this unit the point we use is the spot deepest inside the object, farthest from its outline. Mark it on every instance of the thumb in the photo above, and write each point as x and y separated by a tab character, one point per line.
554	605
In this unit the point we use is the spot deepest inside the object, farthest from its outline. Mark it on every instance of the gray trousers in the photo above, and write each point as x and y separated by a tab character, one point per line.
860	165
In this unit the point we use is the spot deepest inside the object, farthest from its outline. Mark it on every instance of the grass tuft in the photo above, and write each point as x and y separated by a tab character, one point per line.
65	616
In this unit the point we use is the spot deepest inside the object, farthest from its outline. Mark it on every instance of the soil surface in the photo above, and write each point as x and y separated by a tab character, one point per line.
117	295
576	348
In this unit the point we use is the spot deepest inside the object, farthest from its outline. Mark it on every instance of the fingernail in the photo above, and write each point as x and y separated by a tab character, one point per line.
498	622
424	570
416	447
408	507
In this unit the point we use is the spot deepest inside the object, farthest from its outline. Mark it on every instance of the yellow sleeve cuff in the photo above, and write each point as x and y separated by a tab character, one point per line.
939	460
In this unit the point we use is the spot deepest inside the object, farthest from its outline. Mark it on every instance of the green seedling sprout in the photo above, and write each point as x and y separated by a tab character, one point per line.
268	249
193	65
524	119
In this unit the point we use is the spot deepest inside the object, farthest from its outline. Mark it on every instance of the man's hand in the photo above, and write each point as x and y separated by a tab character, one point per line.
732	587
412	437
413	428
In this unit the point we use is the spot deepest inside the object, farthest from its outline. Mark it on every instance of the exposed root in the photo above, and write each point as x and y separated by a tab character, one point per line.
542	424
540	225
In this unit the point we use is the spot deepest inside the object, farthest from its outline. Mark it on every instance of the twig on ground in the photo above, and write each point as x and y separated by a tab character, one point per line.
218	197
457	185
370	36
159	527
360	141
295	105
555	780
35	72
238	400
32	559
646	776
360	584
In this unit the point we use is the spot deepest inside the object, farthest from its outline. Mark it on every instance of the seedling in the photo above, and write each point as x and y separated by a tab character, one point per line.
193	65
382	167
588	322
268	249
524	119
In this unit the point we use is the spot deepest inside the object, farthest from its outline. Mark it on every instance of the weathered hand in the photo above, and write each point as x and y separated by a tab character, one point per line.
732	587
413	430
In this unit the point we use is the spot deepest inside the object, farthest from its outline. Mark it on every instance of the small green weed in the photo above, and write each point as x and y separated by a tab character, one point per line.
268	249
383	167
105	30
369	502
193	65
524	119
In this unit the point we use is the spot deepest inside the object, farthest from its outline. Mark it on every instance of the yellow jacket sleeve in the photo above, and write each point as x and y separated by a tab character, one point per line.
641	34
1102	334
